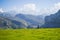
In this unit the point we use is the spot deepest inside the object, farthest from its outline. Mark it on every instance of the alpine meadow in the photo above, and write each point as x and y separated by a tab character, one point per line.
30	34
29	19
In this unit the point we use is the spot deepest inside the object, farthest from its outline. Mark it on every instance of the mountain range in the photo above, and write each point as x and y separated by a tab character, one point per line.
20	20
8	20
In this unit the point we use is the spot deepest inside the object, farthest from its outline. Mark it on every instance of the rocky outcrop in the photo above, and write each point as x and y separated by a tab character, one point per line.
52	21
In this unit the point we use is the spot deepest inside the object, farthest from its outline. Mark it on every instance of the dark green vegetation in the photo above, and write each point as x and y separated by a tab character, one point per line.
30	34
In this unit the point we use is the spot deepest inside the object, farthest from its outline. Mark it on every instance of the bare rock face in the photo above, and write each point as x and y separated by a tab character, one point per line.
52	21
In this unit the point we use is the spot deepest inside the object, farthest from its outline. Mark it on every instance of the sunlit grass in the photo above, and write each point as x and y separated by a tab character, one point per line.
30	34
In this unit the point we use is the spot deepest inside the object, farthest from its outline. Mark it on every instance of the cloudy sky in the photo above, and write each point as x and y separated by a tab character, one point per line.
35	7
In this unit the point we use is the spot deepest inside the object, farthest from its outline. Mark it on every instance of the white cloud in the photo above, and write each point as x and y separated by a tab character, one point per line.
32	9
29	7
57	5
53	9
14	8
25	8
44	11
1	10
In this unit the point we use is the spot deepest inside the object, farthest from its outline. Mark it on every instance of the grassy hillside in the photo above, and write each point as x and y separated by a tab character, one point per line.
30	34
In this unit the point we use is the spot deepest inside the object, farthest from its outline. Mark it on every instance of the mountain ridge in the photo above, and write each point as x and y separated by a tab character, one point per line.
52	21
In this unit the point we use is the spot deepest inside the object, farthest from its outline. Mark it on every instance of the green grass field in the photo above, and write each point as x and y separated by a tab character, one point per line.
30	34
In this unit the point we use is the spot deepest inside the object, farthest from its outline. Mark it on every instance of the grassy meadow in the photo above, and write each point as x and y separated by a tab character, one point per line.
30	34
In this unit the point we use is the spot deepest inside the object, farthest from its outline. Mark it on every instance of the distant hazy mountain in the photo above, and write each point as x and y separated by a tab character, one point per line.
52	21
31	19
8	21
